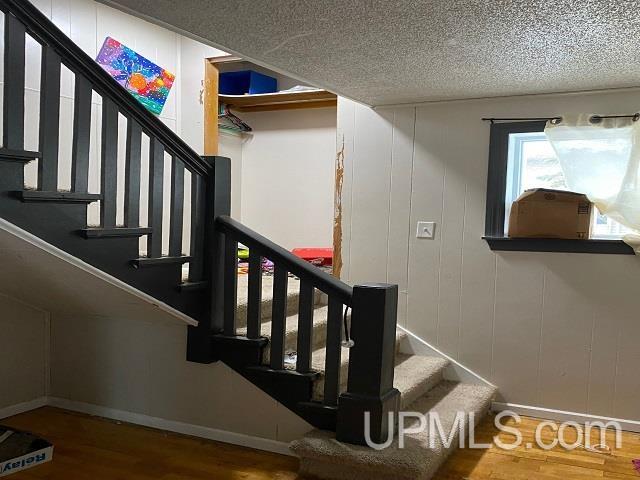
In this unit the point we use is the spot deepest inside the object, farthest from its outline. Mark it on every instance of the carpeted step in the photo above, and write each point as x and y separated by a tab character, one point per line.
291	332
321	456
415	375
318	360
293	295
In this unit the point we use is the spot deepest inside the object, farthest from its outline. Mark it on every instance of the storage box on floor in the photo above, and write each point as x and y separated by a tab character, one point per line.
21	450
544	213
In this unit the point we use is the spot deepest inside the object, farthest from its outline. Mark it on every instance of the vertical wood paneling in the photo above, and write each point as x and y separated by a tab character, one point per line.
566	334
370	208
448	150
477	287
518	322
426	204
400	204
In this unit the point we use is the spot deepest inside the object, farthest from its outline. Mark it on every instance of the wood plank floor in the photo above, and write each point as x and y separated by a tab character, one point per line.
93	448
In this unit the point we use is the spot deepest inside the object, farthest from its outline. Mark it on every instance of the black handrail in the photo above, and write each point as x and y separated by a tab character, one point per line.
303	270
44	31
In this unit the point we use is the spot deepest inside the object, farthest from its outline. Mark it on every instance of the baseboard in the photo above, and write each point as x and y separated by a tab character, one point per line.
562	416
455	371
23	407
224	436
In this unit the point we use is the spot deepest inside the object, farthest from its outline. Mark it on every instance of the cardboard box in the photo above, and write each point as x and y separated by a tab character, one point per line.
21	450
543	213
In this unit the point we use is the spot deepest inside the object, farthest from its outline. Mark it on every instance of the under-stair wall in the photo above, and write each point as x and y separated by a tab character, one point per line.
24	354
552	330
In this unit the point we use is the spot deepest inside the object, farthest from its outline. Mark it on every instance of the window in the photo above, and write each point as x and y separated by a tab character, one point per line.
521	158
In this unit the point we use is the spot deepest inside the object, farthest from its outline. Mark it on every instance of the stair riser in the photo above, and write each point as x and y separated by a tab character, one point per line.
293	299
318	386
319	339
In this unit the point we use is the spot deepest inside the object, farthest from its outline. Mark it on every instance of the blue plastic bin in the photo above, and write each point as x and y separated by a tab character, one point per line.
246	81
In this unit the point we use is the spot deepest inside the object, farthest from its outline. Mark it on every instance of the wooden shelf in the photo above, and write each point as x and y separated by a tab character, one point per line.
280	100
593	245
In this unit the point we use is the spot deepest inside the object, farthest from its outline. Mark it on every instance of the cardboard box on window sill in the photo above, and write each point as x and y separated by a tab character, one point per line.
544	213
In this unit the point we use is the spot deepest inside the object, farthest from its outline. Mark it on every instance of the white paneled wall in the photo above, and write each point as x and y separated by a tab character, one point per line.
88	23
553	330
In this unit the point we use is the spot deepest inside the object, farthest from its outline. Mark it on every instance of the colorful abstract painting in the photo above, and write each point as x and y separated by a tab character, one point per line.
145	80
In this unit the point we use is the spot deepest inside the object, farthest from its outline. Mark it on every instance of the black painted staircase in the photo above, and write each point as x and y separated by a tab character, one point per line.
345	338
329	386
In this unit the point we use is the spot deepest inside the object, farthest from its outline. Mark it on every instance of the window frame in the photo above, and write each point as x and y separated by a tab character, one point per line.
496	209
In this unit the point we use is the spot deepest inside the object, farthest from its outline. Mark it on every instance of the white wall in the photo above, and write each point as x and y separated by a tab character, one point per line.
138	365
551	330
24	345
288	176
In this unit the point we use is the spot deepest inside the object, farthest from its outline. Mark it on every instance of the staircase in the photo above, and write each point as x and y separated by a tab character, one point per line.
347	358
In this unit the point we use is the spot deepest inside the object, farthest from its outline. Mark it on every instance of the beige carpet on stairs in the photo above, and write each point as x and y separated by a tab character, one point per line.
420	380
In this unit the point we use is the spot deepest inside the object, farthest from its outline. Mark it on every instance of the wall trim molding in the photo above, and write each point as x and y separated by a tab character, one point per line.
209	433
23	407
455	371
560	415
76	262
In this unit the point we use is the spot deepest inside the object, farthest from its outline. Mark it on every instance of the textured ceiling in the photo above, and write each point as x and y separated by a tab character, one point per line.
400	51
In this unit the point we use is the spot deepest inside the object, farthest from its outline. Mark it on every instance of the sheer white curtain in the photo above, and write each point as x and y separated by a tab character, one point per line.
602	160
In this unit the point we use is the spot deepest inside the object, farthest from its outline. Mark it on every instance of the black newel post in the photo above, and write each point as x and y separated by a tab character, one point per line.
371	363
217	201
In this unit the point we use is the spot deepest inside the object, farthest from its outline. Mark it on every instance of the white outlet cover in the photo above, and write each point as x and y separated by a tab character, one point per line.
426	230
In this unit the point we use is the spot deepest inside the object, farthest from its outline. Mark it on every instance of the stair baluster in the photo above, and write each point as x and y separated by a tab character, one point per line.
278	317
156	191
230	285
132	174
254	300
109	163
333	359
305	327
14	76
49	120
177	208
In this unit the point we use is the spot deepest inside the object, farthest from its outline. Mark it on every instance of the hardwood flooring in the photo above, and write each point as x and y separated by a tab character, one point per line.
93	448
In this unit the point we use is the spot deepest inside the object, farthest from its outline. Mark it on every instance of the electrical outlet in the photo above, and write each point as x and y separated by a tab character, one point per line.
426	230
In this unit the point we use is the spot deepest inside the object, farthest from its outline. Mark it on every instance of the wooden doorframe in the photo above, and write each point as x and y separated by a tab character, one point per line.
211	108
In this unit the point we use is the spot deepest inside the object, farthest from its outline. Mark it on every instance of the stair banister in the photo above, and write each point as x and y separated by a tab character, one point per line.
42	30
371	365
212	199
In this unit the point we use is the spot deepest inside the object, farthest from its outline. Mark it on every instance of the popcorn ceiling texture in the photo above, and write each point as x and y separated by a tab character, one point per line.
401	51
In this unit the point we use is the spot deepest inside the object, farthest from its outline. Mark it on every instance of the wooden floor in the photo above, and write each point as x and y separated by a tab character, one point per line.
93	448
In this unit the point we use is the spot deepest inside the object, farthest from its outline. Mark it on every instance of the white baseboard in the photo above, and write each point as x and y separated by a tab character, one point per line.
455	371
22	407
562	416
224	436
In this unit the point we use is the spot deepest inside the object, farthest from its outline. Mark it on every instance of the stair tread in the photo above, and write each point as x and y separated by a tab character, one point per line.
415	375
57	197
116	232
293	290
320	315
322	454
318	359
